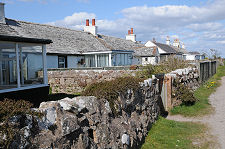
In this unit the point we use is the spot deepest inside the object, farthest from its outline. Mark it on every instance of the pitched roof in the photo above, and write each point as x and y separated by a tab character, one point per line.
119	44
145	51
66	41
180	50
9	34
166	48
194	53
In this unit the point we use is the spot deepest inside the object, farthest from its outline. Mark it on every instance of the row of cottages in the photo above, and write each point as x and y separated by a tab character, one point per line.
26	48
176	49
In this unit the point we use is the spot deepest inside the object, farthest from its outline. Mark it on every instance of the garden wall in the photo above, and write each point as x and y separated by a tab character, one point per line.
74	81
89	123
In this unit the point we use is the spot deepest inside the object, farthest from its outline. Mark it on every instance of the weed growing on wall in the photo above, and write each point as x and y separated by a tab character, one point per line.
183	93
164	67
111	90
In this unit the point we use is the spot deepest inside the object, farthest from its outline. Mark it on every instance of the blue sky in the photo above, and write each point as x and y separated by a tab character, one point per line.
199	24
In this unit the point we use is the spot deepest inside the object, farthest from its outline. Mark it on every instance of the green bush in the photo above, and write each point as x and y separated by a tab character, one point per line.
110	90
184	94
164	67
8	109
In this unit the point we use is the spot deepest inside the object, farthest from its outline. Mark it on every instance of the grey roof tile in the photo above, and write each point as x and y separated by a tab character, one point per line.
166	48
68	41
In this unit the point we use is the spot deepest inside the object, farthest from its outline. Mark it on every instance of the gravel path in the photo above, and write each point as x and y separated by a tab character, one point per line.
215	121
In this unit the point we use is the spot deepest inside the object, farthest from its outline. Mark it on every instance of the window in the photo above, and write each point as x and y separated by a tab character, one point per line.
62	62
146	59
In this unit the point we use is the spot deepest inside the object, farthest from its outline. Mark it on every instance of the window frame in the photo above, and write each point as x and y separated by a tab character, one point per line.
64	62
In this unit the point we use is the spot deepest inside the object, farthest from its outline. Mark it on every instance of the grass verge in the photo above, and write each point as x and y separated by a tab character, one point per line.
168	134
202	106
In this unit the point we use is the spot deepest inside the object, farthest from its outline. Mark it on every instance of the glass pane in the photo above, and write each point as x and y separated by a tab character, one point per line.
89	60
31	65
61	59
103	60
8	74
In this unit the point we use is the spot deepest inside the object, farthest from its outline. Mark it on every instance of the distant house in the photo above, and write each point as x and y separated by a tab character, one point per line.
20	59
194	56
146	55
164	50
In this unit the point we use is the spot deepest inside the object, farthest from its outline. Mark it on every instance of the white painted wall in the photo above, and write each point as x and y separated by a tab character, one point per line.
91	29
131	37
52	61
151	44
190	57
149	60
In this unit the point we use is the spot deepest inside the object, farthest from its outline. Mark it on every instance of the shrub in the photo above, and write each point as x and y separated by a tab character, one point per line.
164	67
110	90
185	95
8	109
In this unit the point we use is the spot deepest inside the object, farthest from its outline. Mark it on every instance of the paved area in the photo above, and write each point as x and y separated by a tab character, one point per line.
215	121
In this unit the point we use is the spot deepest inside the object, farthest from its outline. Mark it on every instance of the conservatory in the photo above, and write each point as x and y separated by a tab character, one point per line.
108	58
21	59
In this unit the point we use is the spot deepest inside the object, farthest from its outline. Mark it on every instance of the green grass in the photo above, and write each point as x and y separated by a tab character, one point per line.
202	106
167	134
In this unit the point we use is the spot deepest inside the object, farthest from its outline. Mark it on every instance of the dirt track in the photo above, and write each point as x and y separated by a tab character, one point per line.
215	121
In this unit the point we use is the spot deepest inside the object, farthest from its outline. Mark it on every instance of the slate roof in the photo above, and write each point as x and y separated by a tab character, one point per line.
194	53
180	50
144	51
119	44
66	41
166	48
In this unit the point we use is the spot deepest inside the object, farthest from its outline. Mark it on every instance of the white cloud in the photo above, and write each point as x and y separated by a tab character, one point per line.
199	27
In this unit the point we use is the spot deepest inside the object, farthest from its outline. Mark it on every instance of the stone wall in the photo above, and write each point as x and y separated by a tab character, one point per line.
88	122
74	81
188	76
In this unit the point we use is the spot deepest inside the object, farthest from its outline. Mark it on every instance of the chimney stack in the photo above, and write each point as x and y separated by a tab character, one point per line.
2	13
87	22
153	40
131	36
168	40
93	22
91	29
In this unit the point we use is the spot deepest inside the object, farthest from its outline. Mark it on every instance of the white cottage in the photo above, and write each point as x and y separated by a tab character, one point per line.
74	49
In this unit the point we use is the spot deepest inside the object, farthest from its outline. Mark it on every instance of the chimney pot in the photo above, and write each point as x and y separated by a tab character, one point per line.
93	22
128	32
132	31
87	22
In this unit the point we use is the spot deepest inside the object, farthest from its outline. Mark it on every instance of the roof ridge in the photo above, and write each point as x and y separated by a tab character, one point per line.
46	25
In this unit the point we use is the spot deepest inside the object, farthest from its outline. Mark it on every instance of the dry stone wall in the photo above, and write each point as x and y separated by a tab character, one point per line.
188	76
88	122
74	81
